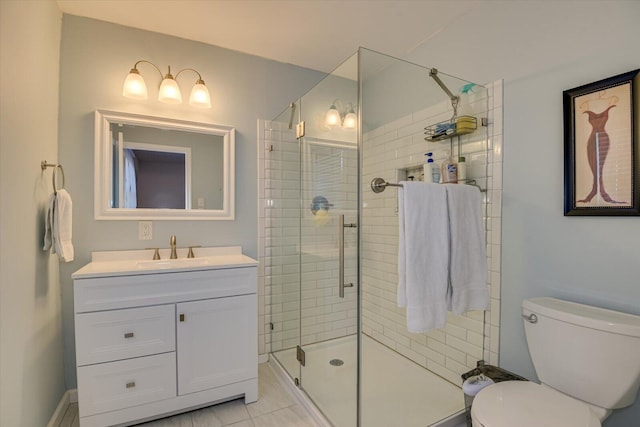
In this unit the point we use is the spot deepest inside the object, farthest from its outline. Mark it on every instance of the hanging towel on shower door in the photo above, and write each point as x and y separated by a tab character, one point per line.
468	255
423	254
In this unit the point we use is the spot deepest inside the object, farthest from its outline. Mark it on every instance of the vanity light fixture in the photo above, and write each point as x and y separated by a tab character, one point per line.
134	87
340	116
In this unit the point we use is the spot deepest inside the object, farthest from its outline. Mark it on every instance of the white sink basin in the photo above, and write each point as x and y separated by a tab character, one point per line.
172	263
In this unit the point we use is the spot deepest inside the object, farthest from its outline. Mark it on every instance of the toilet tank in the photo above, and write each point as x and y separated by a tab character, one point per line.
586	352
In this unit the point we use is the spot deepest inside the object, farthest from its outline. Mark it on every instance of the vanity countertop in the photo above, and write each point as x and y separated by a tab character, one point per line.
139	262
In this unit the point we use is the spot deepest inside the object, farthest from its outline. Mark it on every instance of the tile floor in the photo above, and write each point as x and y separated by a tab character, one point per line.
275	407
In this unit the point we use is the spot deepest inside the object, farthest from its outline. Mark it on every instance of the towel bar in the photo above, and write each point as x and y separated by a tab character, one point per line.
44	165
378	185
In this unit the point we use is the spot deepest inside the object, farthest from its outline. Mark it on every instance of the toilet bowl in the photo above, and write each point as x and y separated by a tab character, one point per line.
568	342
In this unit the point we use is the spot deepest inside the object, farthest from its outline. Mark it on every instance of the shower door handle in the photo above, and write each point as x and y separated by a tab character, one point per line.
341	227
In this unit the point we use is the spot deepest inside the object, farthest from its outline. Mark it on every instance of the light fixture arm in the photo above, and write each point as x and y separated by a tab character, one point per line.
135	67
337	103
191	69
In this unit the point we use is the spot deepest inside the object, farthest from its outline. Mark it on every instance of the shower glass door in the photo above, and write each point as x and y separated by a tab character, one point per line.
348	347
328	247
281	233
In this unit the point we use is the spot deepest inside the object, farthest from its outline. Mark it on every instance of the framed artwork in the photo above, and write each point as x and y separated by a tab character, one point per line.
601	152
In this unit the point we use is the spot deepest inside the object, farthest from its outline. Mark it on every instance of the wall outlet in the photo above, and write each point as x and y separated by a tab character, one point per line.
145	230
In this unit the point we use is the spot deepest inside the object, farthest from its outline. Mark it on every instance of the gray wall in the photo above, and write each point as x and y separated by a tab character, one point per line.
541	49
32	380
95	58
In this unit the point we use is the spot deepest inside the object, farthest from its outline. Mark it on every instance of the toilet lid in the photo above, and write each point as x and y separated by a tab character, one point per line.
527	404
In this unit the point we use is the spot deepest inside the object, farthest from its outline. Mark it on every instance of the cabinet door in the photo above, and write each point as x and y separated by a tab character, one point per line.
217	342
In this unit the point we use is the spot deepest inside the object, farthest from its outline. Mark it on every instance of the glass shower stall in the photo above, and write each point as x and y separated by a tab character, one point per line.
329	240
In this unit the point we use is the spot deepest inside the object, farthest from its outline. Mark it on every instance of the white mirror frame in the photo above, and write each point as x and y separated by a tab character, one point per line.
103	169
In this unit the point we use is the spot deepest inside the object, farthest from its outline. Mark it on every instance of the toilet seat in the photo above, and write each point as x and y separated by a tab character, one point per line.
527	404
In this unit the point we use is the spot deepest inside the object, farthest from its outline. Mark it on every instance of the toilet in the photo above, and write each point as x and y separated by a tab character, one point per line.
586	359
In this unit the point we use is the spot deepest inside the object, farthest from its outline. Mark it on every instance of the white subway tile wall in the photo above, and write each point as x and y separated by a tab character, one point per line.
389	151
294	248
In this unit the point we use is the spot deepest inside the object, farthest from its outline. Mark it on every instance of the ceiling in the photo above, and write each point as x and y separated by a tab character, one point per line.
316	34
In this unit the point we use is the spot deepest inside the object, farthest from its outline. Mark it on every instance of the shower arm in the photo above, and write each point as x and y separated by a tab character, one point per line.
433	73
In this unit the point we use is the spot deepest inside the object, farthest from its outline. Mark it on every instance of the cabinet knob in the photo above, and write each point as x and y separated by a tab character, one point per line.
131	384
181	317
128	335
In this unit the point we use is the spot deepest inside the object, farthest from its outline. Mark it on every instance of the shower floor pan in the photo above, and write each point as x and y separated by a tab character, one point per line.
395	390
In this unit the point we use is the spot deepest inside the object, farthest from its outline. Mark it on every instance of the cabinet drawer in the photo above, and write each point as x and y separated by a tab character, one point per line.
107	293
126	383
122	334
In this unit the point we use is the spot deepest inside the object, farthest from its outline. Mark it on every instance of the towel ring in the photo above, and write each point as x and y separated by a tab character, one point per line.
44	165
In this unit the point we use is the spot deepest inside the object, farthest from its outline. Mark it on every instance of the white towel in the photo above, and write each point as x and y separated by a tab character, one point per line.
58	226
468	257
423	255
48	224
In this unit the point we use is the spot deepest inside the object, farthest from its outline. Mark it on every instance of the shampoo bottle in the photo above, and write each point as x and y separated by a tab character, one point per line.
449	171
427	167
431	170
435	172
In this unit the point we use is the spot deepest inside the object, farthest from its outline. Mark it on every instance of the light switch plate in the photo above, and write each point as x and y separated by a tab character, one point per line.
145	230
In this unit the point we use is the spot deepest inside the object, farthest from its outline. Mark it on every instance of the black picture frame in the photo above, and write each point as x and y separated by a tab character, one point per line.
601	153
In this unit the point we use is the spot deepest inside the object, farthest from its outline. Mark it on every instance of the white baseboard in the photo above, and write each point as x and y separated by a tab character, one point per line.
69	396
61	409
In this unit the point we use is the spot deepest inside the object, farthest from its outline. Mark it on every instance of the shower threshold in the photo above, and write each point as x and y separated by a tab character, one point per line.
395	390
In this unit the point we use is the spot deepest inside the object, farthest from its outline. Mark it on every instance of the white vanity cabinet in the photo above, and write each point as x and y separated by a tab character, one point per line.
155	342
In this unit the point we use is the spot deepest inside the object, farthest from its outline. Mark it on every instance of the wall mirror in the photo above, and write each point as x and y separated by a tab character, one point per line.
153	168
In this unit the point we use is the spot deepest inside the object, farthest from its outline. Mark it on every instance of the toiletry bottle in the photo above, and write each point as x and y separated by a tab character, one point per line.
449	171
435	171
462	170
428	161
467	97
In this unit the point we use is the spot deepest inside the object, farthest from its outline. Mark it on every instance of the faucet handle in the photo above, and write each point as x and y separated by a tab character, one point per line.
156	254
190	254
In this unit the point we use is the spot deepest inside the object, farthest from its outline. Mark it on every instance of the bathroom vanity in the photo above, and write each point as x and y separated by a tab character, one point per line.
155	338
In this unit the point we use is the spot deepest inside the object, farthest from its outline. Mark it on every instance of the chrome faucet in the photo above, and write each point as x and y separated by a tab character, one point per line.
172	241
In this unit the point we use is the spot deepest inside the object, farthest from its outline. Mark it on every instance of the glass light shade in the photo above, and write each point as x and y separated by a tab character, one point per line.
333	117
134	86
169	91
350	120
200	95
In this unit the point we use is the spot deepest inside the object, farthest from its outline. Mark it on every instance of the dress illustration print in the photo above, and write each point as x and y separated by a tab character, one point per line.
597	150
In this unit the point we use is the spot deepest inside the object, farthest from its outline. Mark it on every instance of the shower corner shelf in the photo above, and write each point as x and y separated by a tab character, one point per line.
462	125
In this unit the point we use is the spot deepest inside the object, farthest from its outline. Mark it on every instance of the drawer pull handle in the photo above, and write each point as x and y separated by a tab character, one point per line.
131	384
128	335
182	317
